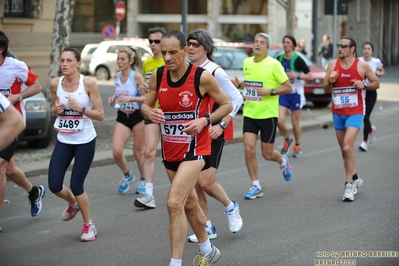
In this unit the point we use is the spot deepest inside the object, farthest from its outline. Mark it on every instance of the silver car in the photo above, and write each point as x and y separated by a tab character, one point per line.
103	61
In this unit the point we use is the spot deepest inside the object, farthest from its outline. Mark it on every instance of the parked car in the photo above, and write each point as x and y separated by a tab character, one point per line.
103	60
231	60
313	89
38	119
85	56
38	122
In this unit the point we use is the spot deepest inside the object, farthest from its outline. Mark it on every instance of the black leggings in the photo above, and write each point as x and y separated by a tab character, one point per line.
60	160
371	98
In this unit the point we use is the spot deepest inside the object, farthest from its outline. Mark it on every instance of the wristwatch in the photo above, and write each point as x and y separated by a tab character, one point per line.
83	110
223	124
273	92
365	85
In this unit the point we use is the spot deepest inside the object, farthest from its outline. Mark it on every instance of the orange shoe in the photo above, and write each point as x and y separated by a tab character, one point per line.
297	151
286	147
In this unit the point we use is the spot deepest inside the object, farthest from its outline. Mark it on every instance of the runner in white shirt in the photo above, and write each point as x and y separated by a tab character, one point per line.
14	74
201	49
371	95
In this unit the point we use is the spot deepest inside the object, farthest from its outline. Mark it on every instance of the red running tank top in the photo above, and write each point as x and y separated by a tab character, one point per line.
181	102
347	99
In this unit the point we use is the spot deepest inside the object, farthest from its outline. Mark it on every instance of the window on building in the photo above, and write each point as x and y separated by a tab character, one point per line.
23	8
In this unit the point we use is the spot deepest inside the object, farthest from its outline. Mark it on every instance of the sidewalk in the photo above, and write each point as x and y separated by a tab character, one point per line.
103	158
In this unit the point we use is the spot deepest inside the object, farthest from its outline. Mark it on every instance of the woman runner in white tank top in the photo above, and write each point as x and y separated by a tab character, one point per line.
76	101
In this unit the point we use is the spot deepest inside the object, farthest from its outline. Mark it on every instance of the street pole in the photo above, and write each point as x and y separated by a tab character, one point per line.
184	7
335	29
315	31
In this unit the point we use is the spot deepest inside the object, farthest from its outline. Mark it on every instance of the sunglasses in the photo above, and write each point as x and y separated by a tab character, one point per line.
194	44
343	46
156	41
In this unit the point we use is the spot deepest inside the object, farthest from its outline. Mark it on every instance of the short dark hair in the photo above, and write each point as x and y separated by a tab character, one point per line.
292	40
4	41
352	43
178	35
204	38
161	30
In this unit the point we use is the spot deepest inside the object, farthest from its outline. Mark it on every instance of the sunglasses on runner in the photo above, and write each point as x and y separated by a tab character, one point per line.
194	44
343	46
156	41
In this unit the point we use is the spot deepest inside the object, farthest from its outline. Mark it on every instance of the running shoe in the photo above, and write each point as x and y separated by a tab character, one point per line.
146	201
348	193
140	186
371	137
286	170
297	151
212	234
364	146
36	204
234	218
356	184
125	183
254	192
89	232
286	146
70	212
207	260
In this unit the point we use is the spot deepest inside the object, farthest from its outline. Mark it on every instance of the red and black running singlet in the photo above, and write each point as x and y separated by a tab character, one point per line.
181	102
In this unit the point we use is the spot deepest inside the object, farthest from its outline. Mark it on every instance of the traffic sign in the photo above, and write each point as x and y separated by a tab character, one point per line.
120	10
108	31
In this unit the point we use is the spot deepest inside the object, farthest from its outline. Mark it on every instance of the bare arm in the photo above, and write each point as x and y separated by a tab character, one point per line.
147	109
11	124
97	112
370	75
331	76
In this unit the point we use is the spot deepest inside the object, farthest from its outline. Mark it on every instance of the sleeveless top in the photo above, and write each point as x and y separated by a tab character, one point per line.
181	102
346	98
129	88
73	126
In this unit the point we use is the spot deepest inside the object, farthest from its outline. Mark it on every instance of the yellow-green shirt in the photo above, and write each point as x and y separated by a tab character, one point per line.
150	65
268	74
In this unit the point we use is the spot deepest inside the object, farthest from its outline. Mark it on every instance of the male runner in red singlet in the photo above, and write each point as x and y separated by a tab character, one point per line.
346	78
184	91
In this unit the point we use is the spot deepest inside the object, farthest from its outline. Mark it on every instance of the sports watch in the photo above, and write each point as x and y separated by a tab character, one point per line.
223	124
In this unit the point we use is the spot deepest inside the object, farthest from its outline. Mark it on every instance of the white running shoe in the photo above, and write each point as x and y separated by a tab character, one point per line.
234	218
70	212
89	232
364	146
371	137
212	234
207	260
348	193
356	184
146	201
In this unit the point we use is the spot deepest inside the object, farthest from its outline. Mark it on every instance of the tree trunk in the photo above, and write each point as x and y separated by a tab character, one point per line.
61	37
290	17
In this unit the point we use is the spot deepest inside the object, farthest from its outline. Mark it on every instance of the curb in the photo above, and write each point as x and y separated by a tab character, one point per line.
104	158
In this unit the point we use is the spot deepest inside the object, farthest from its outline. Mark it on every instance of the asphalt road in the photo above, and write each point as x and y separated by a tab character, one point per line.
295	223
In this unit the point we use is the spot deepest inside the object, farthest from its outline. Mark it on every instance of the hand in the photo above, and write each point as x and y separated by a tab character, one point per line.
194	127
291	74
215	131
143	89
157	116
58	107
358	84
111	100
13	98
73	104
236	82
333	76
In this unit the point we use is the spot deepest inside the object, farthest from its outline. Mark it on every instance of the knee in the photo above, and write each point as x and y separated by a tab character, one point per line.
249	151
347	149
150	153
205	183
174	205
267	155
189	206
54	188
118	154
